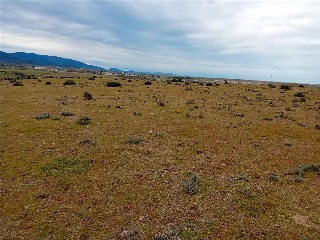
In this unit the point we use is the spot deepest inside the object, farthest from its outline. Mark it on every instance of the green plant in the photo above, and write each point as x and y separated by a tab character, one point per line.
274	177
305	168
84	121
133	140
147	83
113	84
299	94
43	115
20	84
69	82
159	99
191	186
285	87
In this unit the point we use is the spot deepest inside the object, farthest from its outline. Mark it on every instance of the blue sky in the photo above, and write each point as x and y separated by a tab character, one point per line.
235	39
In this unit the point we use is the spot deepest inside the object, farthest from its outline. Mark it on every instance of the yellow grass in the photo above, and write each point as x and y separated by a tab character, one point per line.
218	132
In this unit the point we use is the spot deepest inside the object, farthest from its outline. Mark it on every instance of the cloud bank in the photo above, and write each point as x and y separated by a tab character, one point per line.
236	39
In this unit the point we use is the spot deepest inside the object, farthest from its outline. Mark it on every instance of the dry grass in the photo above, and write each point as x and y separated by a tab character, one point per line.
54	187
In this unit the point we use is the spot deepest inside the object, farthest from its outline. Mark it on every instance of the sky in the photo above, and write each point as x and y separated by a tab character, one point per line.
274	40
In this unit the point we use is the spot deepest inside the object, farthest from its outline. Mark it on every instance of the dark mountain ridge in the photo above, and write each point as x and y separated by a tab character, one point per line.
43	60
21	58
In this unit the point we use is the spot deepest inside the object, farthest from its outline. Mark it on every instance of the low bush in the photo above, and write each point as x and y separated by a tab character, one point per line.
147	83
299	94
285	87
67	114
84	121
69	82
133	140
271	85
274	177
43	115
113	84
87	96
20	84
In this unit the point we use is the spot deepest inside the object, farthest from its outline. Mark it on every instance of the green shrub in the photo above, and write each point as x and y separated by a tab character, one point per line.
274	177
69	82
113	84
43	115
20	84
133	140
285	87
147	83
87	96
299	94
84	121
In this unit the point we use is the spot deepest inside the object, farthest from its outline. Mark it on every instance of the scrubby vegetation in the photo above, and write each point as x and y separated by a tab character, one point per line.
84	121
113	84
238	161
69	82
43	115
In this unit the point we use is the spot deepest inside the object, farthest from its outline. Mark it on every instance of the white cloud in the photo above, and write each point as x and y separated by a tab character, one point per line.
249	39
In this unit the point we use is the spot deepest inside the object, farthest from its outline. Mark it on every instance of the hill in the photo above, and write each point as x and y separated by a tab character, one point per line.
43	60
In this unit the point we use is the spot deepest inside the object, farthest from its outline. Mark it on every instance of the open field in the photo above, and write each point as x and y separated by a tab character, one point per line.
255	148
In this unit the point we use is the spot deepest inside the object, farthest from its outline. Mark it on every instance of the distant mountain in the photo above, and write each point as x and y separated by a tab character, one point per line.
8	59
43	60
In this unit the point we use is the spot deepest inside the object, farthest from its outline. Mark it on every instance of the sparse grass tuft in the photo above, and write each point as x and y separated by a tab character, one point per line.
159	99
191	186
67	166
